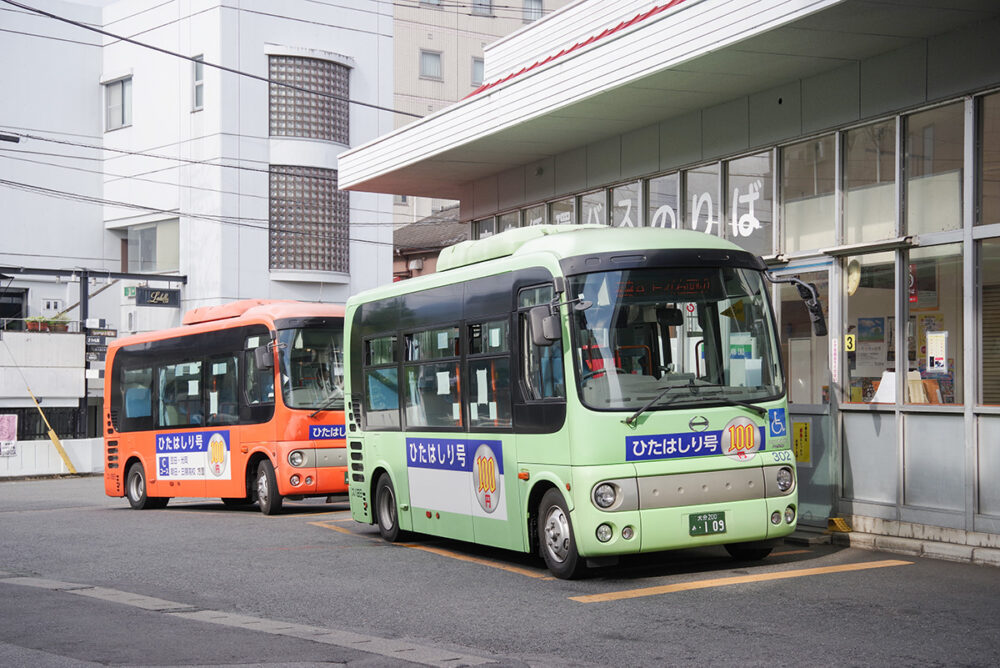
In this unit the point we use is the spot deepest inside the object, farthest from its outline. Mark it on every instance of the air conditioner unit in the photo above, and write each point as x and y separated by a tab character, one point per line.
416	264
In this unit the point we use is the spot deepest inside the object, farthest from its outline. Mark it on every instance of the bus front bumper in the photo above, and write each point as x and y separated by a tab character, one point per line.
676	511
305	470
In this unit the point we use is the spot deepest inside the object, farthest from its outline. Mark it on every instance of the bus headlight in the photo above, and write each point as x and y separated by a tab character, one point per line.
789	515
296	458
784	478
295	480
605	495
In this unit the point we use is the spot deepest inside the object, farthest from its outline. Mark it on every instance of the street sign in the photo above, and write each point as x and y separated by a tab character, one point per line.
96	357
109	333
95	341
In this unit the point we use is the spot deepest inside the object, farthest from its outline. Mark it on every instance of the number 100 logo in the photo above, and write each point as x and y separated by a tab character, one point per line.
741	439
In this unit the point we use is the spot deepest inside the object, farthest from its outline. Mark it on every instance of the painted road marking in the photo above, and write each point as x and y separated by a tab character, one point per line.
397	649
538	575
332	527
740	579
788	553
441	552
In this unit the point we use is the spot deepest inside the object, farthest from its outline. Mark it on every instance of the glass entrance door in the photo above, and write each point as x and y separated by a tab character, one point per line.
807	367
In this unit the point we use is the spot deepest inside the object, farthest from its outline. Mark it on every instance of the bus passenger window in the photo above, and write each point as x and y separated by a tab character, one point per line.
179	388
489	374
432	390
223	407
135	387
381	383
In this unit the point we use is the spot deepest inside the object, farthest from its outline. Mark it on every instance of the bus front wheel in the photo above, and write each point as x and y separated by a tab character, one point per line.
385	509
557	544
135	490
268	498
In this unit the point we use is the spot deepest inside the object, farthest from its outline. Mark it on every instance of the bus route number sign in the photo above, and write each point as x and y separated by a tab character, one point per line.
706	524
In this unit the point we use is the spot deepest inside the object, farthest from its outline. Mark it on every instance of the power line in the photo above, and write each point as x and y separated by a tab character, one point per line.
207	63
219	219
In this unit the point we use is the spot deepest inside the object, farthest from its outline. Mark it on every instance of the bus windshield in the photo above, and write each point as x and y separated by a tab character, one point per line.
312	367
706	333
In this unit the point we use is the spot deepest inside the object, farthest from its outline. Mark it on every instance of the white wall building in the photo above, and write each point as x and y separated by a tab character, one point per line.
136	160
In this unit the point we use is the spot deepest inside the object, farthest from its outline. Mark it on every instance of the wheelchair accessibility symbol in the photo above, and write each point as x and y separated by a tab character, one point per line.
776	421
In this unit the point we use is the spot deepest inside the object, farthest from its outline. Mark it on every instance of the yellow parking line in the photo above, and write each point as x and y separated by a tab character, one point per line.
539	575
788	553
741	579
332	527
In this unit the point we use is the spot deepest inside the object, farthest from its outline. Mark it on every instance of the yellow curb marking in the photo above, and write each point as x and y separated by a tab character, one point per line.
741	579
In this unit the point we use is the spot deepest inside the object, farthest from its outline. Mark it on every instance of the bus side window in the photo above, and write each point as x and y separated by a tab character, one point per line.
258	383
136	390
489	374
223	378
179	388
541	366
381	383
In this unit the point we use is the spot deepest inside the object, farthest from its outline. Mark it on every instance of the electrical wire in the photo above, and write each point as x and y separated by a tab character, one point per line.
207	63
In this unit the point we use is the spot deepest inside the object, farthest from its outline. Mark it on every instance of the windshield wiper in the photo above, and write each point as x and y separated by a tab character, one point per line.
630	420
328	403
759	410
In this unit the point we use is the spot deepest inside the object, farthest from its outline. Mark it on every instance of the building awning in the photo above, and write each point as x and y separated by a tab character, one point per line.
593	70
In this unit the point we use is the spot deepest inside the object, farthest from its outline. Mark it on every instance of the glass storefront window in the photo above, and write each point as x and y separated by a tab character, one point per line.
989	309
749	205
483	229
625	205
534	215
869	183
508	221
594	208
934	156
663	206
806	356
808	188
989	160
936	322
701	192
563	212
869	347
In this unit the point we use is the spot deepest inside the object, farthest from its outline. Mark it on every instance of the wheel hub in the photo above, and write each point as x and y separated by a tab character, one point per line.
557	534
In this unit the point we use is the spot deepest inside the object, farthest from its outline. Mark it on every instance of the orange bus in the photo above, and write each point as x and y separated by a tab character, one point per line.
243	401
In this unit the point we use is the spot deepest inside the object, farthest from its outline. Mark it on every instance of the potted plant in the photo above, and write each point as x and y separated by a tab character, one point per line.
37	324
59	323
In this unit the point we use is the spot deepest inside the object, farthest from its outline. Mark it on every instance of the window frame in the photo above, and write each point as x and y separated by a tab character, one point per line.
123	118
198	82
440	65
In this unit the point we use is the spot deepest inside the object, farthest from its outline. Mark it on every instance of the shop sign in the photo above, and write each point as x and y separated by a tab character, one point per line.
106	333
169	297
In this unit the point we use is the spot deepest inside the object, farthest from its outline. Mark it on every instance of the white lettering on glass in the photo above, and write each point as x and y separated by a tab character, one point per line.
746	224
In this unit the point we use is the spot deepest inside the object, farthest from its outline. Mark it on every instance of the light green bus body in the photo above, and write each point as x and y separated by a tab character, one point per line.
656	499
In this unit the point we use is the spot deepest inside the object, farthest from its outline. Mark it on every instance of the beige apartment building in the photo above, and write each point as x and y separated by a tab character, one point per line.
438	57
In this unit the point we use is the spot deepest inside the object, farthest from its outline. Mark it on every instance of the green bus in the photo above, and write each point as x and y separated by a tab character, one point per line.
584	392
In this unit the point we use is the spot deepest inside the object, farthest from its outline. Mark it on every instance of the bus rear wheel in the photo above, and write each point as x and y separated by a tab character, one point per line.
386	512
555	533
135	490
268	498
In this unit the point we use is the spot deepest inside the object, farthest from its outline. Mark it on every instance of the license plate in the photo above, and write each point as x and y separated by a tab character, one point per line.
706	524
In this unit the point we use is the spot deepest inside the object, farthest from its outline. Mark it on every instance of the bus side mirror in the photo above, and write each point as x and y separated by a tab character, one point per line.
544	326
263	357
810	295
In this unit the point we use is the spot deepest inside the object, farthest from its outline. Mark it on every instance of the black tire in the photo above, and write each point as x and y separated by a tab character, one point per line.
135	490
555	537
386	509
268	499
748	551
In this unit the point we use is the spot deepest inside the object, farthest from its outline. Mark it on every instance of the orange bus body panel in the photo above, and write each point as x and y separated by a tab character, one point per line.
288	430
